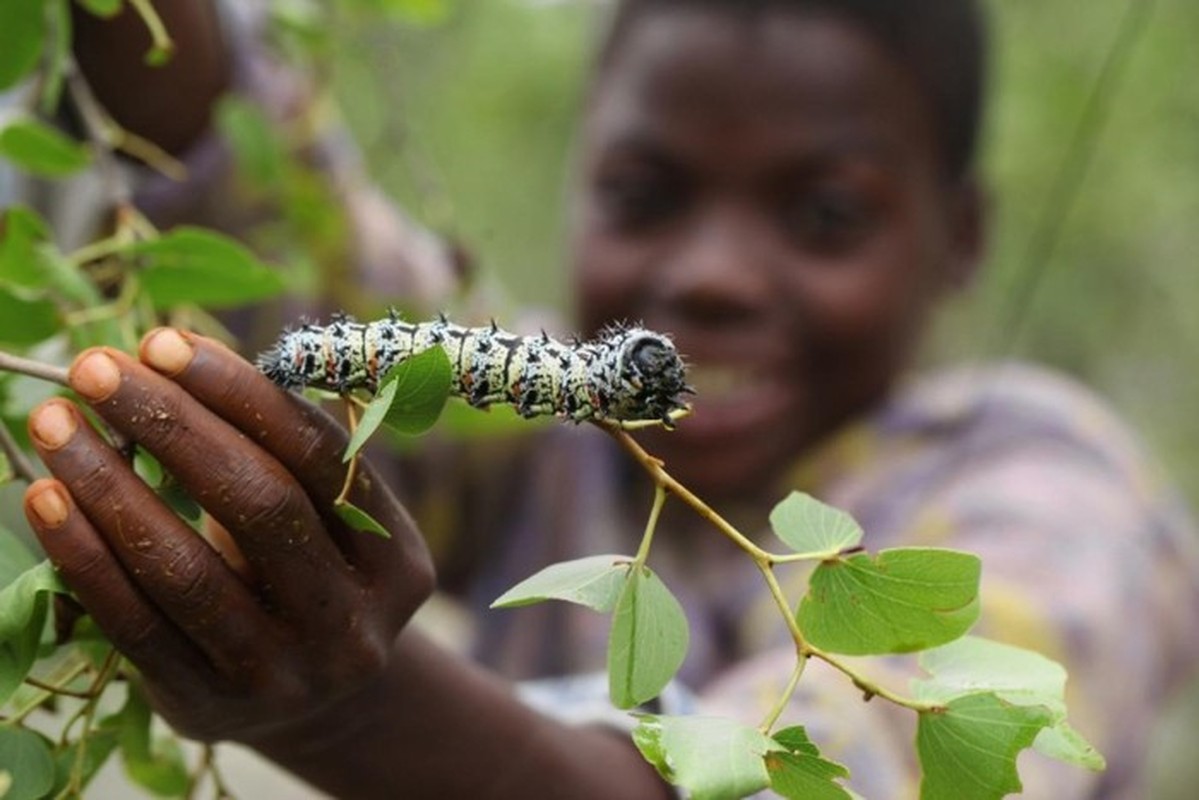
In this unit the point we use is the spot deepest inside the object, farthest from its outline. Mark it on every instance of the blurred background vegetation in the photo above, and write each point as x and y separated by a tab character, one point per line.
466	110
467	114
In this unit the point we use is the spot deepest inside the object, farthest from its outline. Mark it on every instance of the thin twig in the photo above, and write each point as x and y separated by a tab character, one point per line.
107	670
22	467
34	369
46	687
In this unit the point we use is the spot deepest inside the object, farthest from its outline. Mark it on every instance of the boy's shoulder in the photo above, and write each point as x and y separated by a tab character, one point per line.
1008	404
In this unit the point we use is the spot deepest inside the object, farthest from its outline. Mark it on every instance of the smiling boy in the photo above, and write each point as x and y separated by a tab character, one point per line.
788	188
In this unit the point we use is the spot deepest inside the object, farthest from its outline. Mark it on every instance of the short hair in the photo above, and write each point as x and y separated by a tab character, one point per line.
942	42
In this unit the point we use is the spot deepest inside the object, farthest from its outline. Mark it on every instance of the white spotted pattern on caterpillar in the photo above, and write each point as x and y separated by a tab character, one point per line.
626	374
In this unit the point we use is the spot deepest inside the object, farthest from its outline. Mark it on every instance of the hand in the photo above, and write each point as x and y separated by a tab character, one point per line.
224	656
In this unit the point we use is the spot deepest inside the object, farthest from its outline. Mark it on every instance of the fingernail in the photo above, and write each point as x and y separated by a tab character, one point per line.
49	505
95	376
52	424
167	351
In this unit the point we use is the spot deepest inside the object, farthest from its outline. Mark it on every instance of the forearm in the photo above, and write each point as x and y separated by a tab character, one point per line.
434	726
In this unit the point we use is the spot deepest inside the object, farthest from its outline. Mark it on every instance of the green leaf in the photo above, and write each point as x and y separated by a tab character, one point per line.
26	322
1064	743
422	386
594	582
22	36
1017	676
799	772
906	599
102	8
972	664
359	520
155	764
15	556
22	232
968	749
192	265
648	640
813	528
372	418
712	757
40	149
27	759
23	609
410	397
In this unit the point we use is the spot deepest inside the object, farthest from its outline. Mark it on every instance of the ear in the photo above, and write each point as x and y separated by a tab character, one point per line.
968	215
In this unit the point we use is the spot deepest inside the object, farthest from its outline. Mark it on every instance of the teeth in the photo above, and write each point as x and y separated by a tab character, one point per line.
713	382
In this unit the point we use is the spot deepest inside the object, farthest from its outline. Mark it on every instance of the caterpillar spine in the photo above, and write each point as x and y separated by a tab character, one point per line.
627	373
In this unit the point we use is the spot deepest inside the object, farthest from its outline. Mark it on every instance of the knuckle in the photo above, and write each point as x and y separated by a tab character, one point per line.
84	566
93	483
261	498
194	588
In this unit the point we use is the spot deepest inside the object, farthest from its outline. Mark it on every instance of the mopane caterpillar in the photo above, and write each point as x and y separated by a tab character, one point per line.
626	374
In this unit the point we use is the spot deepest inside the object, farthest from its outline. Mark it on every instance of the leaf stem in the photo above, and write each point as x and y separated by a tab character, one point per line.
352	469
788	691
650	526
160	40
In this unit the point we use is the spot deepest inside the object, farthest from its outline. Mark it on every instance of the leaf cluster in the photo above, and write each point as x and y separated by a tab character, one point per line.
981	704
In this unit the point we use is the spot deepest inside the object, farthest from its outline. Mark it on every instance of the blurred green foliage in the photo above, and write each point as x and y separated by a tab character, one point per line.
470	123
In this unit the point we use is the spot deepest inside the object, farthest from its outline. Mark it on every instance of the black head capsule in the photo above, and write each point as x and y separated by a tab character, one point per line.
651	365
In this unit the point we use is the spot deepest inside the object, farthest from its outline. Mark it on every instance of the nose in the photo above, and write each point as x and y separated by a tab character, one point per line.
717	274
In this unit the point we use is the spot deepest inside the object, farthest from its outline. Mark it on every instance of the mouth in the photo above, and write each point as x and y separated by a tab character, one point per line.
730	401
721	384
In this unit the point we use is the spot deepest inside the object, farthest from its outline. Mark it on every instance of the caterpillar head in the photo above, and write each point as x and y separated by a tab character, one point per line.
655	374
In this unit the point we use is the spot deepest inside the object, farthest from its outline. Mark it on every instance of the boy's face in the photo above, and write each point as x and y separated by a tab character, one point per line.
769	192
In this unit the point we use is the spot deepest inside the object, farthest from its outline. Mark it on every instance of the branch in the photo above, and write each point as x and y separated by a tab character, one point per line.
765	562
662	478
34	369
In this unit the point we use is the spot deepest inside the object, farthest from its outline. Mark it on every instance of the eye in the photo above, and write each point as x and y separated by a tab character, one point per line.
830	220
637	198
